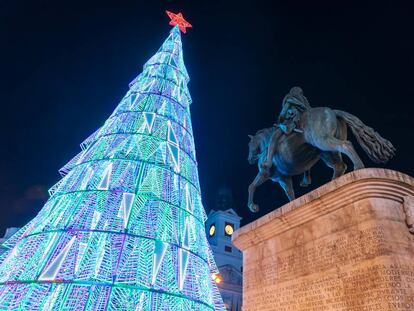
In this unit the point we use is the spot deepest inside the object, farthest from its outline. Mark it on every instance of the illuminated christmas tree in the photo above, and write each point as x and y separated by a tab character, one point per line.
124	228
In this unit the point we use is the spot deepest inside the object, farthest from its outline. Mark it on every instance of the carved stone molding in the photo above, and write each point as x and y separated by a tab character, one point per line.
408	207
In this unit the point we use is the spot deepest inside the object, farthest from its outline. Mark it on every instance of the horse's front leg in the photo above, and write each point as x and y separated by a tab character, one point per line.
286	183
260	179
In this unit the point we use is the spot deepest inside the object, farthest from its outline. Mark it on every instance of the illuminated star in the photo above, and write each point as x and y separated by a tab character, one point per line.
178	19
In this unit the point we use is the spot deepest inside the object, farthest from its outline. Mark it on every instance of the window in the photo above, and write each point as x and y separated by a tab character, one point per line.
227	249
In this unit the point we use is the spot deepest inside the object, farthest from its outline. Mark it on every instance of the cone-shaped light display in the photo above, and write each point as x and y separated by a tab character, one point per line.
124	228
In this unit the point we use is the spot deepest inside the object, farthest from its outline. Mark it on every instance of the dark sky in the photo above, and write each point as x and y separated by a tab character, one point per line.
66	64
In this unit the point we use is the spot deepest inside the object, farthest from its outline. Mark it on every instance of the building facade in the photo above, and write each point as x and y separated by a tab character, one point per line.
220	225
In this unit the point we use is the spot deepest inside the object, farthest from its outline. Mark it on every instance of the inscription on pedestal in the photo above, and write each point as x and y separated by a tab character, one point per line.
376	287
347	248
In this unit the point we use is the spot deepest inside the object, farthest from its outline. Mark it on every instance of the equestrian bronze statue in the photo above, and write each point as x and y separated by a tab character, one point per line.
302	136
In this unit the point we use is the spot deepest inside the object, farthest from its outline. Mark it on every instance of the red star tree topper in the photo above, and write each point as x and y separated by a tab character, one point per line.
178	19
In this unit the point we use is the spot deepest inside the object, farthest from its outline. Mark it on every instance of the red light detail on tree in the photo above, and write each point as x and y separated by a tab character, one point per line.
178	19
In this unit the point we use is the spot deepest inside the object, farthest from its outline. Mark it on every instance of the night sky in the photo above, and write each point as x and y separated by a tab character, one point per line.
65	65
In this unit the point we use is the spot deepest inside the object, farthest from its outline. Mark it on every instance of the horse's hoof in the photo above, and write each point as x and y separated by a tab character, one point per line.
254	208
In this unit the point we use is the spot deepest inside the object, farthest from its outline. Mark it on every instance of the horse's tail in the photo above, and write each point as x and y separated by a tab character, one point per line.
379	149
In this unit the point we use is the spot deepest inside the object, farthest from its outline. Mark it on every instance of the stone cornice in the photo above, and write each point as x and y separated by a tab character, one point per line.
347	189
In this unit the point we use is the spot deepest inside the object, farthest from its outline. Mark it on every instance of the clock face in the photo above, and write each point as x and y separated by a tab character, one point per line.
212	230
229	229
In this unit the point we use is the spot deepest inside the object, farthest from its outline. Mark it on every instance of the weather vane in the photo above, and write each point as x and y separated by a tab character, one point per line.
178	19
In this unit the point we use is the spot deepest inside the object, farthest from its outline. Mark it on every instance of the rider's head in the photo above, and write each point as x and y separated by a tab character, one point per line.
296	98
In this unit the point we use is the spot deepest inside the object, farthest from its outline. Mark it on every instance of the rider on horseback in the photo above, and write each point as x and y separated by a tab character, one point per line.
293	105
321	134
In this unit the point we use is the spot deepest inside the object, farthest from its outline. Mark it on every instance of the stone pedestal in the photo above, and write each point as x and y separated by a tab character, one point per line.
344	246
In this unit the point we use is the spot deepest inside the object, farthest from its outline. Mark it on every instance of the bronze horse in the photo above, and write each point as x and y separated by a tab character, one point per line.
323	135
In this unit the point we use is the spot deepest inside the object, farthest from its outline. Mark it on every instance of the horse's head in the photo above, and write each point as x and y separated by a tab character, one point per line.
254	149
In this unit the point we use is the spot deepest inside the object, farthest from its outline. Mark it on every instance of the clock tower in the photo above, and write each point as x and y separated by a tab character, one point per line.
220	225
